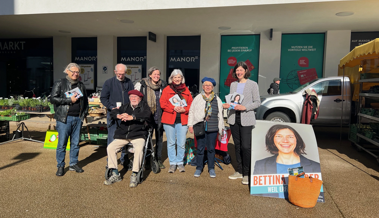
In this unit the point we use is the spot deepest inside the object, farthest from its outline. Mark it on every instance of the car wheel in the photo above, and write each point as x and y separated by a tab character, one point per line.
278	117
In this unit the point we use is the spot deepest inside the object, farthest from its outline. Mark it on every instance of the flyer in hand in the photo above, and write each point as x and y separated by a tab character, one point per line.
72	92
176	101
233	100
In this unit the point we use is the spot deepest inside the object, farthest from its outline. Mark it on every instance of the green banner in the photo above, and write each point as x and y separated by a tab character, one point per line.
233	50
301	59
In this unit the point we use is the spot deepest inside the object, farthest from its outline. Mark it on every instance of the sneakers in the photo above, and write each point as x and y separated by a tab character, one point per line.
60	171
212	173
114	178
245	180
161	164
133	180
172	169
76	168
197	173
181	168
236	175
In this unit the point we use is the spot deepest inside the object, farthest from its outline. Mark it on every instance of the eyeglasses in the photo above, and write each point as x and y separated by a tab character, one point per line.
208	85
74	72
288	137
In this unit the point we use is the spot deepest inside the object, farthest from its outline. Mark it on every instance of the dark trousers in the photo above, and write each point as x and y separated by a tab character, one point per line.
206	141
242	142
158	139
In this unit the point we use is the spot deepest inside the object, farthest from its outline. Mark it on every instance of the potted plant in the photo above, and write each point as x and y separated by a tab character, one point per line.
10	103
45	105
38	107
32	105
5	104
2	103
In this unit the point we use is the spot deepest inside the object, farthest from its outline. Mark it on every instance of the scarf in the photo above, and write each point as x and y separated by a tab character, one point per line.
150	95
208	107
71	80
178	89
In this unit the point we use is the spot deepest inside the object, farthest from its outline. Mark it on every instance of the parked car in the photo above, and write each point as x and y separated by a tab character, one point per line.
334	96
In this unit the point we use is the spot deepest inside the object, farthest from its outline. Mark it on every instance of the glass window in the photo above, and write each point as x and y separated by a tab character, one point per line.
328	88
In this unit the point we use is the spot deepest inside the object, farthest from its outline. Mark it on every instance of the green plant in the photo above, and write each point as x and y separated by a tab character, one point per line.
32	103
45	102
11	101
22	102
38	101
1	102
6	102
6	113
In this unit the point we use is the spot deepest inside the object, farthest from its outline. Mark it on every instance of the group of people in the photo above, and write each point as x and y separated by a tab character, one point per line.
147	104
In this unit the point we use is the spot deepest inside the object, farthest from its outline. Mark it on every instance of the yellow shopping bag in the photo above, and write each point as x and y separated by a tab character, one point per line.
51	140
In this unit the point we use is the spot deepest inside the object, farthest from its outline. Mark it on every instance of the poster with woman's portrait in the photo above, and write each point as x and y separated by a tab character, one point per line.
277	147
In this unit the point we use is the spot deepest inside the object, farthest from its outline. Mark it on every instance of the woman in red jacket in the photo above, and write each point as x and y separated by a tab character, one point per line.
175	118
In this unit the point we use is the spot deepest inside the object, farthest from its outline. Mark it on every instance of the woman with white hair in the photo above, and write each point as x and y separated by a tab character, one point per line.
175	119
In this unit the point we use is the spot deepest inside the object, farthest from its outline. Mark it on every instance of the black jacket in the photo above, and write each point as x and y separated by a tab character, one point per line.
115	91
136	128
143	90
274	89
268	165
62	103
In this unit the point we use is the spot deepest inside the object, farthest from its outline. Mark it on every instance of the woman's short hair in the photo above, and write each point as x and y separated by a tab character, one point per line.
244	66
68	67
152	69
270	145
174	73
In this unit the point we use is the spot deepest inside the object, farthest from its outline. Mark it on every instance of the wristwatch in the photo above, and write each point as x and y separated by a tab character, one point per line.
134	117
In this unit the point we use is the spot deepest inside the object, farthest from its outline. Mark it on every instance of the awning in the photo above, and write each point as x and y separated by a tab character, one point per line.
366	51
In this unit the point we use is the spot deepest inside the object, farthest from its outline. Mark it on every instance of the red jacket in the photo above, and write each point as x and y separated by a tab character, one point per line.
169	115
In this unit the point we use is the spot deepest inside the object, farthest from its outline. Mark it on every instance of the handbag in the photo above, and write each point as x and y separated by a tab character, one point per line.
199	129
303	192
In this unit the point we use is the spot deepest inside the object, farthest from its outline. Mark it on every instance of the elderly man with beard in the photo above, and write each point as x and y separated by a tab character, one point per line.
133	129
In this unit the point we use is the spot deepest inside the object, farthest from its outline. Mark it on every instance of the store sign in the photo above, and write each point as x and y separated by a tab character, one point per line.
361	38
12	45
87	58
233	50
269	175
301	60
184	59
133	59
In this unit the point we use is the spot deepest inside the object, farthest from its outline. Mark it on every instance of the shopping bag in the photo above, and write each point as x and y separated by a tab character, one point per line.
222	142
51	140
190	150
303	192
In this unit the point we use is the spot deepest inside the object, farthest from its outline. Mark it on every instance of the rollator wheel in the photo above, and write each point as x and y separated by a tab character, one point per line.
140	176
108	173
154	165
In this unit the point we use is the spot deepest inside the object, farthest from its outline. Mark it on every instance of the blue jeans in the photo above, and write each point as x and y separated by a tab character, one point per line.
176	135
206	141
69	129
111	127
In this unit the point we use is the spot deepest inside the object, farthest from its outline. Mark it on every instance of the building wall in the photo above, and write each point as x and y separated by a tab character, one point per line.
106	57
61	55
337	45
156	54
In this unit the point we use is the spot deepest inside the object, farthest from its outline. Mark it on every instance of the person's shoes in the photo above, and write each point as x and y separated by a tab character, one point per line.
114	178
76	168
60	171
172	169
161	164
133	180
245	180
212	173
236	175
181	168
197	173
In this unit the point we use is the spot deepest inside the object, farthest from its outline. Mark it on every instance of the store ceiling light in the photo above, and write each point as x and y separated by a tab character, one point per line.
224	28
64	31
344	13
127	21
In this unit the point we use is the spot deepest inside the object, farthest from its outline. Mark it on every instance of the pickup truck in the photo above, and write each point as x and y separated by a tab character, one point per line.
332	92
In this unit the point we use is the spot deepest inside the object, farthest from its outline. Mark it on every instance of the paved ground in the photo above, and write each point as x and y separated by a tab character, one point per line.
29	187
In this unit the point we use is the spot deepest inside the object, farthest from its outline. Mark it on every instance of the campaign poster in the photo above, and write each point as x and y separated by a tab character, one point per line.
87	75
301	60
277	147
134	72
236	48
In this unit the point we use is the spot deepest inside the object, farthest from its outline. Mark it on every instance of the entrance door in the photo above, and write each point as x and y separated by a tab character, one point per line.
183	53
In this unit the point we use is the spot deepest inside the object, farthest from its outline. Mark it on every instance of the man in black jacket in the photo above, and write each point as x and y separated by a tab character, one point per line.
133	128
69	113
274	87
115	90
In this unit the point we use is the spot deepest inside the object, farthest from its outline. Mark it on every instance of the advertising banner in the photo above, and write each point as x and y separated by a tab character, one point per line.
301	61
360	38
87	75
233	50
276	148
134	72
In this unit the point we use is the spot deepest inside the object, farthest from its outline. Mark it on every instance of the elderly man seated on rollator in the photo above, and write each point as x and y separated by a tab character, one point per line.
133	129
